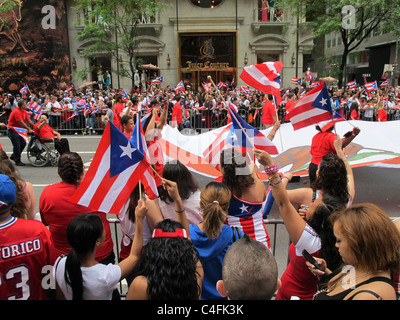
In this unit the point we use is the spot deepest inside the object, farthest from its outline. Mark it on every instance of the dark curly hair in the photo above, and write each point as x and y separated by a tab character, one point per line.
332	177
170	266
231	161
185	181
70	167
321	224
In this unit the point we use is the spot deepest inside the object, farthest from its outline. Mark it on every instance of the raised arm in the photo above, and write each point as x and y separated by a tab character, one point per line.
338	144
293	222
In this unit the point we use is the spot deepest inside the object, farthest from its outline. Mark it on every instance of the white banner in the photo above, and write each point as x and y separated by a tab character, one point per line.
376	145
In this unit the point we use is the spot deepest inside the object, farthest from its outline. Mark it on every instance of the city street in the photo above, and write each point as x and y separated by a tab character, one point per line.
377	185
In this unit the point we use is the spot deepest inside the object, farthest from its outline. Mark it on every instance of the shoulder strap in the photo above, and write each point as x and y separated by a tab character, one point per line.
236	233
368	291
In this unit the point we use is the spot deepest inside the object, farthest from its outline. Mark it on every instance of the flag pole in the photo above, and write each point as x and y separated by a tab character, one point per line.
277	119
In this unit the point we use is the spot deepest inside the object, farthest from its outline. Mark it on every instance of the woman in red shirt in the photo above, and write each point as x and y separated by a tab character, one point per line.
57	211
380	112
354	112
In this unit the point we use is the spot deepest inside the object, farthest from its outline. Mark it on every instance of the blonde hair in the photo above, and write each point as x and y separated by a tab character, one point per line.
214	201
379	106
372	237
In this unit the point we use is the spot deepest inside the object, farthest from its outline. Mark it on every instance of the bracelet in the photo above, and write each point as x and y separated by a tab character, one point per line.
272	169
275	184
180	211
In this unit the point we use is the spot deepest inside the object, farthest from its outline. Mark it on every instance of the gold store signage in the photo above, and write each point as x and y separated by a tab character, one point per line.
193	66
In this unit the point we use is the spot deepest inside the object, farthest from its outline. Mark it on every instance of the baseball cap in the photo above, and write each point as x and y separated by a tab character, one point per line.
8	192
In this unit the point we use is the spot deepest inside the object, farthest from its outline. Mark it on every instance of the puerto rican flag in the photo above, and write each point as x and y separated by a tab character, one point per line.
36	109
315	84
246	137
24	90
87	109
72	116
312	108
371	86
352	84
70	88
138	139
385	83
246	90
296	81
206	86
180	87
125	95
158	80
22	133
116	169
264	77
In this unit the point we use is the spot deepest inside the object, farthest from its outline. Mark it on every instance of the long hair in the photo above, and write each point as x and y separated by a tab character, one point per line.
70	167
185	181
323	227
19	209
371	235
170	266
332	177
82	234
231	161
214	201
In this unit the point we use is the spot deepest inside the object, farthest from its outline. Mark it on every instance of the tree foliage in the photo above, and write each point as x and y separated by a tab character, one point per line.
112	27
354	20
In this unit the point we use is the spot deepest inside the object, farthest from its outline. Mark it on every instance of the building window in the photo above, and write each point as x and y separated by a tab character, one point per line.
206	3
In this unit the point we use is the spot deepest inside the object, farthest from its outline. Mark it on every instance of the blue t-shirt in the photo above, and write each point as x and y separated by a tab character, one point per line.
212	253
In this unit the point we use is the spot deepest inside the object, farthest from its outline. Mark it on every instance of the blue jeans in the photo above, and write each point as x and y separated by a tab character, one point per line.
18	145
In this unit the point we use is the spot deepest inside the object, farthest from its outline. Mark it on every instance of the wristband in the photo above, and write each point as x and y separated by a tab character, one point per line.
275	184
272	169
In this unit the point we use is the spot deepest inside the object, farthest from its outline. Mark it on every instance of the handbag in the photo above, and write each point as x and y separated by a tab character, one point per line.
35	145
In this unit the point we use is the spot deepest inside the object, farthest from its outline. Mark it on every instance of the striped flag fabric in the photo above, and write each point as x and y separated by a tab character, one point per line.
158	80
70	88
138	139
371	86
264	77
352	84
312	108
206	86
325	125
385	83
114	172
246	137
315	84
24	90
246	90
296	81
23	133
180	87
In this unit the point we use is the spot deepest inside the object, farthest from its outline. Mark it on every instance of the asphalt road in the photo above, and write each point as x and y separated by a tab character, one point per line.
377	185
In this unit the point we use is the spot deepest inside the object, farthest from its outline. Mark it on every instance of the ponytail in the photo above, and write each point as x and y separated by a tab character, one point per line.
82	233
214	201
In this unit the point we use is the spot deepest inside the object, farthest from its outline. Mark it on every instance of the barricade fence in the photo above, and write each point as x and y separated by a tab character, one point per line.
117	237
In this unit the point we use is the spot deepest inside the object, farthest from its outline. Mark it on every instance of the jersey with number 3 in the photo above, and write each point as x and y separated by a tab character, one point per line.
26	257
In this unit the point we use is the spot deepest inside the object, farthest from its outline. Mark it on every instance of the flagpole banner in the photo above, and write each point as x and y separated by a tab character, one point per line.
371	147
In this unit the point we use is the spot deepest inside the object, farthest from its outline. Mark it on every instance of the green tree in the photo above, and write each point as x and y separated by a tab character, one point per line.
113	27
354	20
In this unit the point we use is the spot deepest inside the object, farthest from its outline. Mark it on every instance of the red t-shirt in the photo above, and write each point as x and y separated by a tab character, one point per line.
17	115
268	111
177	112
322	144
119	107
382	115
26	247
45	132
354	115
57	211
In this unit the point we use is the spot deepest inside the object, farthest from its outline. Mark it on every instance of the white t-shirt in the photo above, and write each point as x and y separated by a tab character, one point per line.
99	281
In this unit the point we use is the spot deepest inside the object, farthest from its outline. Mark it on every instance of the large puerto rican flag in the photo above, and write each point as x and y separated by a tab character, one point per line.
371	86
264	77
312	108
246	137
117	167
138	139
